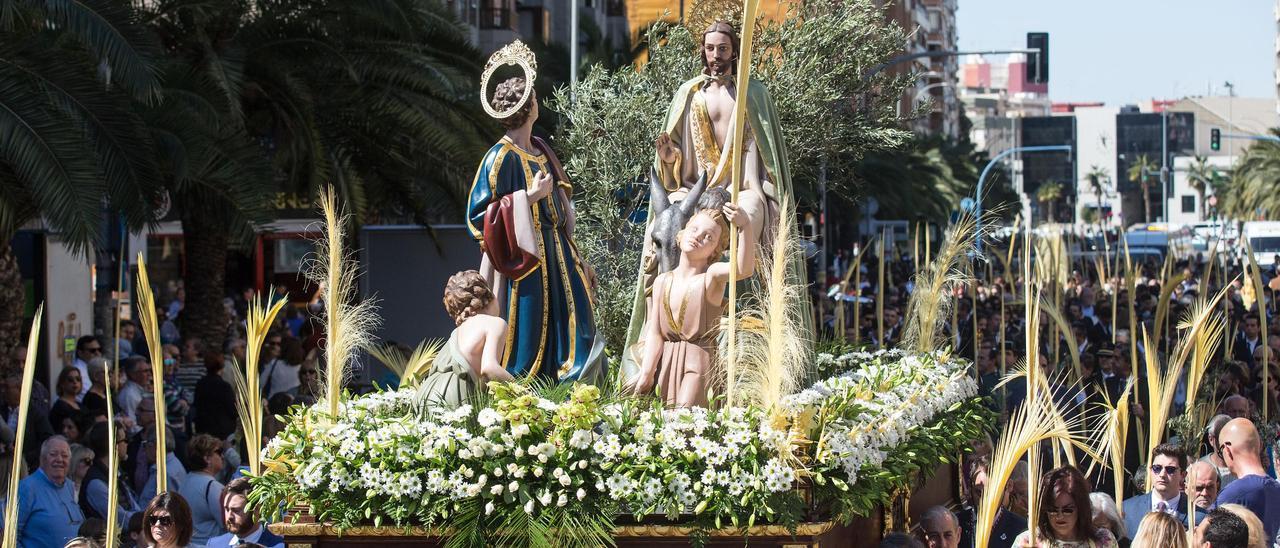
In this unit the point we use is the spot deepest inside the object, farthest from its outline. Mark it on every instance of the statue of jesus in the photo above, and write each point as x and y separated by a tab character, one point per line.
695	140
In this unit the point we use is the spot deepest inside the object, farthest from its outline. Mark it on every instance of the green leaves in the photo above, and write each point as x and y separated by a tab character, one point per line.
44	149
112	32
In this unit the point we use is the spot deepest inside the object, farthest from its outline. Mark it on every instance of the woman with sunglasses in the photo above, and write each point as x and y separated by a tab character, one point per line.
81	461
309	388
202	490
66	407
167	522
1066	516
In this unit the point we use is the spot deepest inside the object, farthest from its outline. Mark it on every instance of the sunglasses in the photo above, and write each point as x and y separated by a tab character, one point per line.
163	521
1065	511
309	372
1159	469
86	462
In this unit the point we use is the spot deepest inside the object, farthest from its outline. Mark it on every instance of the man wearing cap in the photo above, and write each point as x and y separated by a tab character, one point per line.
1106	360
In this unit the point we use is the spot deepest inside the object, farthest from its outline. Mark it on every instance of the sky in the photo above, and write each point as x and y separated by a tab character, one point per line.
1125	51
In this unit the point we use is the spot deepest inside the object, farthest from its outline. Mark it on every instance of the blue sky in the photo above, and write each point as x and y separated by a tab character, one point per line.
1124	51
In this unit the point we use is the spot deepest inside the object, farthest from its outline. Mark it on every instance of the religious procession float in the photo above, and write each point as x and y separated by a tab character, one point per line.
684	397
721	421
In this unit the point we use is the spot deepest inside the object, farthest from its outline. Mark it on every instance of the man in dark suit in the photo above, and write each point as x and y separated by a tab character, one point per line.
1008	523
1247	340
1168	468
243	529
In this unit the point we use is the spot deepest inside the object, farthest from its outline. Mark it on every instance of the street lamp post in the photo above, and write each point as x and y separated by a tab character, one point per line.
977	202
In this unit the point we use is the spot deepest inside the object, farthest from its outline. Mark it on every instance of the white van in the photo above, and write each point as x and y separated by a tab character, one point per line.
1264	237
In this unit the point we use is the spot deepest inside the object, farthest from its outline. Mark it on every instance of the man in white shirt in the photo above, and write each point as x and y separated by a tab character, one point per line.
242	528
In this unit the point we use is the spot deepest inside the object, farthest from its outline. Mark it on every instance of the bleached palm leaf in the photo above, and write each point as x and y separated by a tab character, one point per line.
348	321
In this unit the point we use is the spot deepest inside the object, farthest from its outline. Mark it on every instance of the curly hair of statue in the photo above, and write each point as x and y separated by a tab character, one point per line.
508	94
513	54
466	295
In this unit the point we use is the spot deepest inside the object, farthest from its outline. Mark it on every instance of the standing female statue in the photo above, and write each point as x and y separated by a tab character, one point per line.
519	210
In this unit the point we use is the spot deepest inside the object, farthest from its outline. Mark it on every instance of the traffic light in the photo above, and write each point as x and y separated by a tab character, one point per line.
1038	63
1215	139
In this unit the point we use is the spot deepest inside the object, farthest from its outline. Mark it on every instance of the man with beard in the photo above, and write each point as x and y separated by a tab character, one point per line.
696	141
242	527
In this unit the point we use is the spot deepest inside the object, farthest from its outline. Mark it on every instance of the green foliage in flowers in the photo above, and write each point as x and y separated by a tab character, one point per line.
522	469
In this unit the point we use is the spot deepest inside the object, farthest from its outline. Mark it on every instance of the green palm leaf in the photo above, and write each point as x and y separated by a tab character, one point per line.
111	31
44	149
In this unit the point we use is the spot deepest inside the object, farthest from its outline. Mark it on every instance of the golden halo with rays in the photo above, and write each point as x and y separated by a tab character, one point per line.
706	12
518	54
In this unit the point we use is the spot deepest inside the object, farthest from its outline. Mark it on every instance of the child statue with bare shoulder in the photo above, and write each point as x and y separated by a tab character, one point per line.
688	302
473	355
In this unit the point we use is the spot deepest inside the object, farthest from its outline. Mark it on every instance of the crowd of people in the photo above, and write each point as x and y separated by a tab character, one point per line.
1224	474
63	500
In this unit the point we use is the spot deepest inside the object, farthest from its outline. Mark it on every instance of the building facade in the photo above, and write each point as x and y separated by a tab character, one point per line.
930	26
1109	141
995	95
495	23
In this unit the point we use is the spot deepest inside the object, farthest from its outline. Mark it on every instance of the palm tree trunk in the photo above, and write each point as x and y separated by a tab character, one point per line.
13	298
1052	217
1204	207
206	242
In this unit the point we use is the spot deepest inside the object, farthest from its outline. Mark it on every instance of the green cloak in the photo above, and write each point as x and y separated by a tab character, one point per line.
764	126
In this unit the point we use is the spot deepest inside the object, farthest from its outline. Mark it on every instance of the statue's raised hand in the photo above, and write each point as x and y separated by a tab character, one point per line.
667	151
734	214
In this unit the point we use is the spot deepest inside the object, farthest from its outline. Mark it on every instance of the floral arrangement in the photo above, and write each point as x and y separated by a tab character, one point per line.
560	466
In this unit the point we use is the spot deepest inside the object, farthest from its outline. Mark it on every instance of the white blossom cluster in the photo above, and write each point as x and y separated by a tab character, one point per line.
880	399
527	453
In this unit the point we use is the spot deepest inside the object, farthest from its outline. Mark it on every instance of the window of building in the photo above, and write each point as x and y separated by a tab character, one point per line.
1188	204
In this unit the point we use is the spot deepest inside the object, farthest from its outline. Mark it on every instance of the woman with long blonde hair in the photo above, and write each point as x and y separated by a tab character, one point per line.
1160	530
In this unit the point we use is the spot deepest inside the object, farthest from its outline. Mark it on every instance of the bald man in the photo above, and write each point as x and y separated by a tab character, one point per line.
1253	489
1236	407
939	528
1202	484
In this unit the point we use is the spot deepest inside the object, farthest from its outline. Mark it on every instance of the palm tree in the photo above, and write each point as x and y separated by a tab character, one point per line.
377	98
1200	176
1251	191
1049	193
913	182
1139	172
1098	177
70	73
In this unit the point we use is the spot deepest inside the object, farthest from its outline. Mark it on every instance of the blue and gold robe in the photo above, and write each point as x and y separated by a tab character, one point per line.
551	330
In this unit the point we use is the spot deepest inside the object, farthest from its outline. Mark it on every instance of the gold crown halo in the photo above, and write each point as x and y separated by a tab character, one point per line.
515	53
705	12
